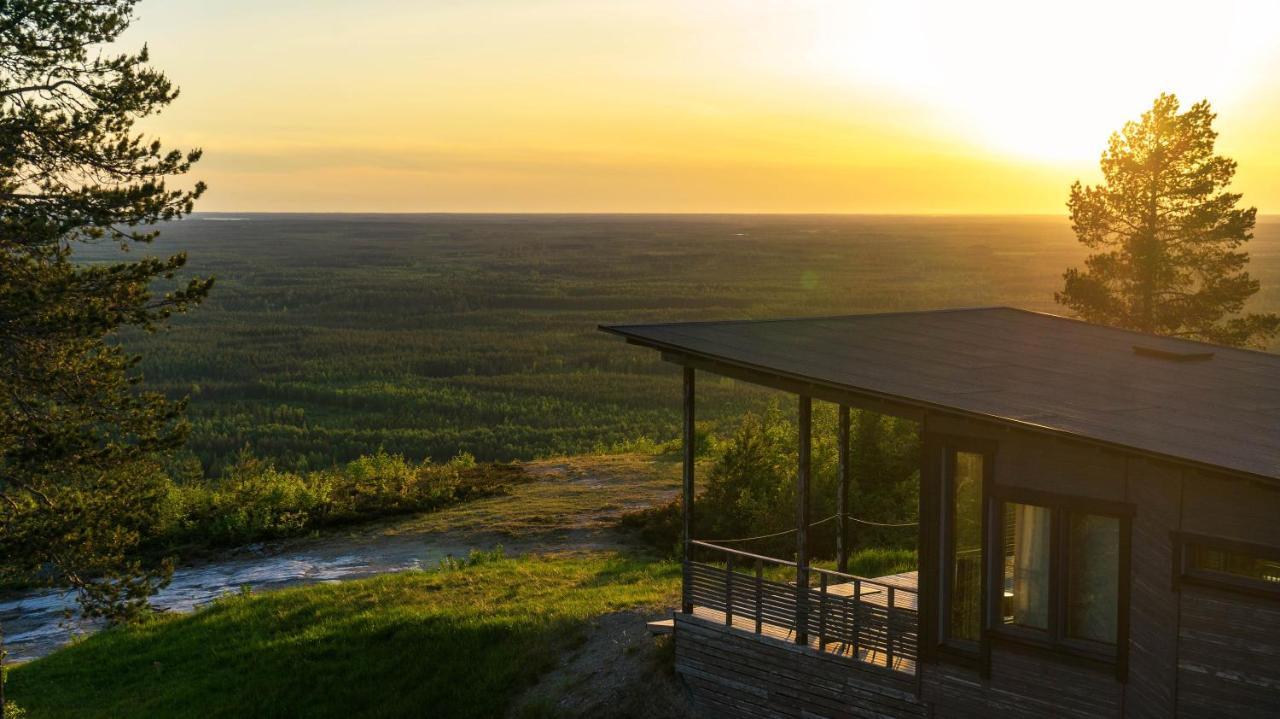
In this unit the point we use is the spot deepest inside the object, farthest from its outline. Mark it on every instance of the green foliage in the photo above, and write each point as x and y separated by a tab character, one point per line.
78	440
749	489
474	558
334	335
256	501
881	561
1168	235
458	643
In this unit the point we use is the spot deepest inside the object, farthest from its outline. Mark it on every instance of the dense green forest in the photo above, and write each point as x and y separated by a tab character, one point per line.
330	336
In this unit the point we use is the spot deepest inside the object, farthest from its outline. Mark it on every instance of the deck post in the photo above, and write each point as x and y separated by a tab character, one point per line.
842	493
802	521
686	601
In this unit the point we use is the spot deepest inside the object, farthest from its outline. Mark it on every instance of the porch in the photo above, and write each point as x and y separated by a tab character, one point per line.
871	621
796	634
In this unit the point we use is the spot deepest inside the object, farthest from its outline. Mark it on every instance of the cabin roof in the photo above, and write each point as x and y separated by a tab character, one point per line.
1189	401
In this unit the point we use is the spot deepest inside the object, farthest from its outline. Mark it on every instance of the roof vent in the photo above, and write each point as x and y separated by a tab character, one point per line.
1173	355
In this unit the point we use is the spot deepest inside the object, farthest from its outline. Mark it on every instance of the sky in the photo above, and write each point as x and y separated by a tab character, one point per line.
904	106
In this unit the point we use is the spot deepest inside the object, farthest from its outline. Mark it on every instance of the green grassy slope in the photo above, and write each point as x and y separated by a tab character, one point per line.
455	642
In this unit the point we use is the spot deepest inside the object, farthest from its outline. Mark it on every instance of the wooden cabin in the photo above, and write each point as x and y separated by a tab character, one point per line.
1099	525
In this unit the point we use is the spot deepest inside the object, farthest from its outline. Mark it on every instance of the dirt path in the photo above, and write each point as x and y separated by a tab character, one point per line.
618	671
571	505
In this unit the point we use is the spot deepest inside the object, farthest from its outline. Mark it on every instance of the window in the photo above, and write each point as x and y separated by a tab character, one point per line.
1229	564
1026	566
1060	580
1093	577
962	552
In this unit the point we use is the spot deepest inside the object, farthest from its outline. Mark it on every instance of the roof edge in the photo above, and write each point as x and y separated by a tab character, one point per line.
622	331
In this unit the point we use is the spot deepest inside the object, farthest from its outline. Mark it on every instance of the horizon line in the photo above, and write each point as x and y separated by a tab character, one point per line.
624	213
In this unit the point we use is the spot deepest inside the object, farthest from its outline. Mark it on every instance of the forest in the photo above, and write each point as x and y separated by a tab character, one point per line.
328	337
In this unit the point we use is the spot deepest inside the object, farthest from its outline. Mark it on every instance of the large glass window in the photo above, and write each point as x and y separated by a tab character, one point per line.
1027	535
1093	577
1058	583
964	610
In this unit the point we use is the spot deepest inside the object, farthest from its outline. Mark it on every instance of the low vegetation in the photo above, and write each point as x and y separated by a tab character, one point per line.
329	336
461	641
748	491
187	517
254	500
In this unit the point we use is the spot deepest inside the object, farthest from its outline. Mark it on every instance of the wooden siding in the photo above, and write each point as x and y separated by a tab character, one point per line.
1022	684
1193	651
1228	655
734	674
1155	489
1229	642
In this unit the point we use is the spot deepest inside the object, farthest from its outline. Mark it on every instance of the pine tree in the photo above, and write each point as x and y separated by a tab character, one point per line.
1168	235
79	440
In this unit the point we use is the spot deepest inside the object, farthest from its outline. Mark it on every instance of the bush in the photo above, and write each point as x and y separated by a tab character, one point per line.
255	501
749	490
474	558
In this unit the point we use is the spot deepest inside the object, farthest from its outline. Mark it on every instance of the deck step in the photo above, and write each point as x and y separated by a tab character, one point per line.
662	626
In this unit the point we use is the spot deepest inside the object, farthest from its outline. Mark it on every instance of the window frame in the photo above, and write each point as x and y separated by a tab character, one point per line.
965	651
1030	635
1184	573
1055	639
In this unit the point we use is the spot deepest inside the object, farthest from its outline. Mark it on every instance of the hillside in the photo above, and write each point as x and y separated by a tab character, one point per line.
461	641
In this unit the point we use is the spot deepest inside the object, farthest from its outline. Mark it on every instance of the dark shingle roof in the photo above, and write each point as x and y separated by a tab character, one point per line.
1023	368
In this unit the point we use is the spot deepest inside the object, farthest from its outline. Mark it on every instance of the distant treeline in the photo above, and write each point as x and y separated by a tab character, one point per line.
327	337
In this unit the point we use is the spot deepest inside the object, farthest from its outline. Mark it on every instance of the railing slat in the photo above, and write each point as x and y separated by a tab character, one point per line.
822	613
728	592
759	595
888	651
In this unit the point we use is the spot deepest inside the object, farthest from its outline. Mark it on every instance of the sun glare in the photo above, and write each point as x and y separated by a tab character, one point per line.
719	105
1038	80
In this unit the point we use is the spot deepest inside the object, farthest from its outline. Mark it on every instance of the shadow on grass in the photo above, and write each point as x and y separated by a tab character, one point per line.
455	643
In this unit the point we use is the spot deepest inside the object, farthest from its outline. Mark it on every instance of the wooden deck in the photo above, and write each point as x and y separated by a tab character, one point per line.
872	653
878	596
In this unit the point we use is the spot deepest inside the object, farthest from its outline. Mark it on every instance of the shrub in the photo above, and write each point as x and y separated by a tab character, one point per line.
749	490
254	500
474	558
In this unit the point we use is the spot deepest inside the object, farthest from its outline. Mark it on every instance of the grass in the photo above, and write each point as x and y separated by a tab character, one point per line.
461	641
586	492
870	562
458	641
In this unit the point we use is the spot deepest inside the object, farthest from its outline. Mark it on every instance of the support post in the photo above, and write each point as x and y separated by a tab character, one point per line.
686	602
842	494
802	521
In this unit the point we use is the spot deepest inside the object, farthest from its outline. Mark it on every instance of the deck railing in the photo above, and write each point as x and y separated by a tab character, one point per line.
864	619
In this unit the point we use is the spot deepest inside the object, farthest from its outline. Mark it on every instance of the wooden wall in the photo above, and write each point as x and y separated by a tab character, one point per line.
1155	489
1024	681
1229	643
1193	651
735	674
